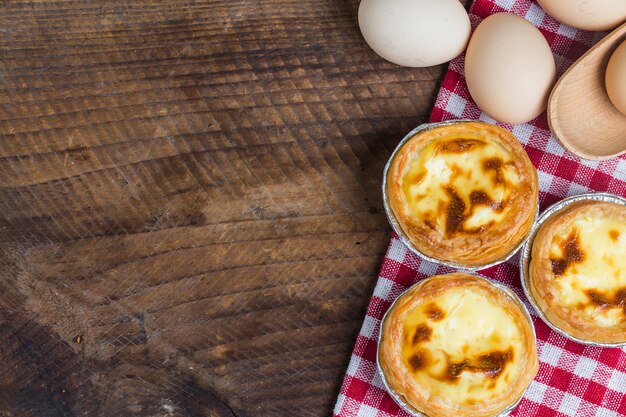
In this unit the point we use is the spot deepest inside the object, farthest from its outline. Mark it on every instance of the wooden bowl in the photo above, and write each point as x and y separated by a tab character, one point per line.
580	113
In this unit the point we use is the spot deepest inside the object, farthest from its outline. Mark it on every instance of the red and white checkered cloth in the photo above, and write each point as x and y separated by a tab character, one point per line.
573	379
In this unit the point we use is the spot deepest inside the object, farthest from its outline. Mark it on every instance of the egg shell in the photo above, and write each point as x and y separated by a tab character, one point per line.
586	14
615	79
509	68
415	33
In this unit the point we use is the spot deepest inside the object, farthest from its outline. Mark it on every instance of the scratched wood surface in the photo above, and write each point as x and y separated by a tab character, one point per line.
190	216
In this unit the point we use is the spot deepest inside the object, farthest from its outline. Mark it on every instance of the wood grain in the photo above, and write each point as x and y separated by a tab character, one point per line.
190	215
582	90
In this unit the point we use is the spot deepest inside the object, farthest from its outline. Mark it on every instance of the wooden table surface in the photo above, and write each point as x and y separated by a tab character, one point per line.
190	215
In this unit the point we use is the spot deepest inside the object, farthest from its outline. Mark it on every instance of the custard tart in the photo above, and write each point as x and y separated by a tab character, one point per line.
464	193
456	345
577	271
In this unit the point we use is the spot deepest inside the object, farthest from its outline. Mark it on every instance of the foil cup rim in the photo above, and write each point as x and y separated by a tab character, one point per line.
524	261
501	287
397	228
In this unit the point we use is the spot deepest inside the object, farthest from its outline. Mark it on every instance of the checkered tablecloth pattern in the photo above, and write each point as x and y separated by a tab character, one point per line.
573	379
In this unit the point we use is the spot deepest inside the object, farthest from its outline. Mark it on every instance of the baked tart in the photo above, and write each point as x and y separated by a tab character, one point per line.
577	271
464	193
456	345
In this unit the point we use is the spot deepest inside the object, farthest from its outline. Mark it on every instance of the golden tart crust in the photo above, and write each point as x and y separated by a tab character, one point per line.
465	193
455	345
577	271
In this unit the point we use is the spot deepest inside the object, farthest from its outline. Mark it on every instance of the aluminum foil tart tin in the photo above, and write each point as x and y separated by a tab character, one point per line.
400	399
527	248
395	225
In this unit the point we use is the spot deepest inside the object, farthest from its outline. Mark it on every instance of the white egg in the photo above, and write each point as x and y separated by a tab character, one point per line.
415	33
509	68
587	14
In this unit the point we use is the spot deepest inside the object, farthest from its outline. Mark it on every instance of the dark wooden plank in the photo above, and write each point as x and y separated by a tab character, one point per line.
190	215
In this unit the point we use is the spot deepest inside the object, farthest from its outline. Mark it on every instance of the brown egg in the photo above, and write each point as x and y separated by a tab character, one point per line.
615	79
509	68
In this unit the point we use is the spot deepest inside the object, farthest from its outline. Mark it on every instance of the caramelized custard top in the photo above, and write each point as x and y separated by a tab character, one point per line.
460	185
588	260
463	345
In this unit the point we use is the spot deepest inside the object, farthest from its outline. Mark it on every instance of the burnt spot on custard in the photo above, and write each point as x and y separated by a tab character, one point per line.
494	165
459	145
572	254
422	334
490	364
419	360
433	312
455	212
480	198
614	235
604	300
